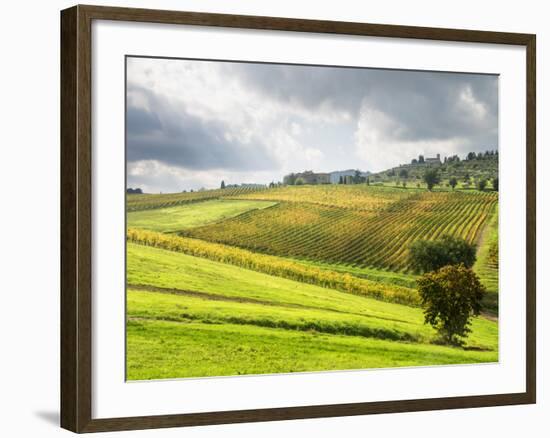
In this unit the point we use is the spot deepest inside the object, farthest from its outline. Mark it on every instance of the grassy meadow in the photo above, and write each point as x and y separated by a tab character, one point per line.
295	278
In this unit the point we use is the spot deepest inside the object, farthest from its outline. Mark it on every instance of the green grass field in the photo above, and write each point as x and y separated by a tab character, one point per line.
162	350
170	292
288	288
178	218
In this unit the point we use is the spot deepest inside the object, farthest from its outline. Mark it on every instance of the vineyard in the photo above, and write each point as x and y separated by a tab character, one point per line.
276	266
148	201
357	197
377	233
302	278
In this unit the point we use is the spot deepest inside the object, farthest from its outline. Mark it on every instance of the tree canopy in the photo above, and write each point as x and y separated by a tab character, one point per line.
451	296
453	182
482	184
431	178
431	255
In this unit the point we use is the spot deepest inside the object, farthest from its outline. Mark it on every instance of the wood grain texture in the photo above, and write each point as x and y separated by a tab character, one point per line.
76	219
531	218
69	347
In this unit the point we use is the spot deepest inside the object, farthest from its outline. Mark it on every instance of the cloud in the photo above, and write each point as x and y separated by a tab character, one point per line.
265	120
153	176
424	102
167	132
377	131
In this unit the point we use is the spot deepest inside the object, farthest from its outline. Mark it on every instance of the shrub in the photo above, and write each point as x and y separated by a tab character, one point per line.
451	296
430	255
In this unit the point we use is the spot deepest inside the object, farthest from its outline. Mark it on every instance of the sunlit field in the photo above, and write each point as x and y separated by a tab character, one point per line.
296	278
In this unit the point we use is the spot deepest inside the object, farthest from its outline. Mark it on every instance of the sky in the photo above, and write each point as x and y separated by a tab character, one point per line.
191	124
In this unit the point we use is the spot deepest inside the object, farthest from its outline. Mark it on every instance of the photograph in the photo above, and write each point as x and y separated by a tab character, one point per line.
287	218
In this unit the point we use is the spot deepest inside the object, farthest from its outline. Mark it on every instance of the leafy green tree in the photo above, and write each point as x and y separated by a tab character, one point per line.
290	179
430	255
450	297
299	182
482	184
431	178
222	186
403	173
453	182
495	184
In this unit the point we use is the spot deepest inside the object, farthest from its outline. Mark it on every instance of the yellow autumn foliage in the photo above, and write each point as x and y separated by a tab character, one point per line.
276	266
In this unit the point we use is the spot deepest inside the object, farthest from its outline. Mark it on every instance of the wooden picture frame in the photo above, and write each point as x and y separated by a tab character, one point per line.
76	218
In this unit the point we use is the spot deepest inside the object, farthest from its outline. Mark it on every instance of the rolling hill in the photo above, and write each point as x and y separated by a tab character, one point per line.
296	278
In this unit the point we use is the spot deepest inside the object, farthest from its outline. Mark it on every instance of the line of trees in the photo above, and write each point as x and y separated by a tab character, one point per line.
482	155
356	178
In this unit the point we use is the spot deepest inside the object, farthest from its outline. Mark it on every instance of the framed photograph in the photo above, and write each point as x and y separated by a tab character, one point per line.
270	218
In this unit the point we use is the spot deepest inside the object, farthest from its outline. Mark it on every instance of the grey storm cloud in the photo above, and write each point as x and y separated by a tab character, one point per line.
425	104
239	117
173	136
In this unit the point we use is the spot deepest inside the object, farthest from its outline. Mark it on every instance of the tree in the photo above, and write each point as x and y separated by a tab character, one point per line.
431	255
482	184
290	179
471	156
368	181
414	161
404	184
495	184
222	184
421	159
403	173
450	297
453	182
431	178
299	182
